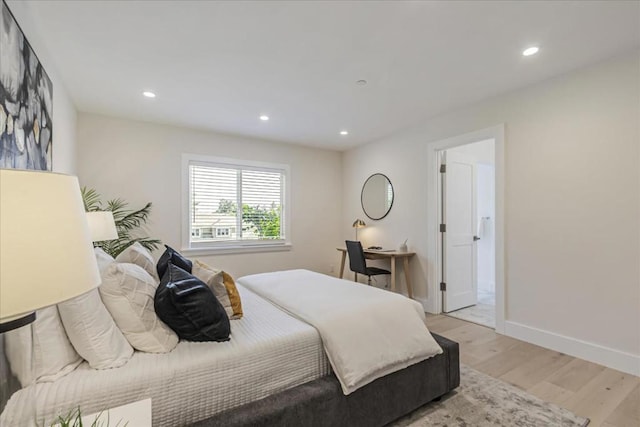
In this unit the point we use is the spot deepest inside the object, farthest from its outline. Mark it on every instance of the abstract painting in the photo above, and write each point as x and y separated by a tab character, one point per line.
26	101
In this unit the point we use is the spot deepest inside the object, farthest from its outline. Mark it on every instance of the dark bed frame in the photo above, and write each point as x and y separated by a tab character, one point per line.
321	403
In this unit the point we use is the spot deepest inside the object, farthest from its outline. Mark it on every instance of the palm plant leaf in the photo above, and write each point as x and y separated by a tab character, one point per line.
91	199
125	219
129	223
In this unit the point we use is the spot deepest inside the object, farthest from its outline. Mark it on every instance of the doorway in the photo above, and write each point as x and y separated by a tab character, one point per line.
438	286
467	211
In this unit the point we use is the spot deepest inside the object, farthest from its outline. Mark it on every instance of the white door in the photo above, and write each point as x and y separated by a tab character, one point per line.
459	215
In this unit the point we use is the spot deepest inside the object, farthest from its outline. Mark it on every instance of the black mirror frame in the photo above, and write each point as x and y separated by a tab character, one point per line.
393	192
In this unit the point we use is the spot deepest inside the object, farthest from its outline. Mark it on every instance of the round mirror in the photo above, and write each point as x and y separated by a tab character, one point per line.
377	196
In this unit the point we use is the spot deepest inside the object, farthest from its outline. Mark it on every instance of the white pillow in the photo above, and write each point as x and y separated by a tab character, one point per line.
138	255
104	259
93	332
53	354
128	291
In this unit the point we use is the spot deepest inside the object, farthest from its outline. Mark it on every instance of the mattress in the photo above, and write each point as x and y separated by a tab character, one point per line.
269	352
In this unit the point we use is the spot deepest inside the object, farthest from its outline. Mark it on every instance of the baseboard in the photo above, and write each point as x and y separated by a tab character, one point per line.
615	359
424	302
428	305
486	285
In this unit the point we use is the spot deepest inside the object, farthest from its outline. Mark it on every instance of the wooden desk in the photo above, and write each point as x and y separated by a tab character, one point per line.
390	255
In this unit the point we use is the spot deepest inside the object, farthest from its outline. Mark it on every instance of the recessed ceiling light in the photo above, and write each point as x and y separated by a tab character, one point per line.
361	82
530	51
344	132
149	94
264	118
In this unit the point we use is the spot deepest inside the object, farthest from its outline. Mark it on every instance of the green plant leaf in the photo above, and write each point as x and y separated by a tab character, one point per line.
129	223
91	199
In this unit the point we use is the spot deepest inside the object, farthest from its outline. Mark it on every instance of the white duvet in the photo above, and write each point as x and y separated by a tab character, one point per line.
367	332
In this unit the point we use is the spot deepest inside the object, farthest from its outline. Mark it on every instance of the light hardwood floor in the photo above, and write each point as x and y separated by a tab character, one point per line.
608	397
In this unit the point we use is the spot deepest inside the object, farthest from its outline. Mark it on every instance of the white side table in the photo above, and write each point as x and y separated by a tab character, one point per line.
137	414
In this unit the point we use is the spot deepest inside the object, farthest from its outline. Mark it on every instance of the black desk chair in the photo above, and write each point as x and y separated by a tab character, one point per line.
358	264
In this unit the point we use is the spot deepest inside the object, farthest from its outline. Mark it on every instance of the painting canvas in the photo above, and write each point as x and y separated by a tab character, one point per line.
26	101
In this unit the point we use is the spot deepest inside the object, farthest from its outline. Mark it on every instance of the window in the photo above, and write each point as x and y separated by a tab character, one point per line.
223	232
234	204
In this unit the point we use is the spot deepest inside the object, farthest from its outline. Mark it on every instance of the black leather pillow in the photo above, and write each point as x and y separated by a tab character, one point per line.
173	256
188	306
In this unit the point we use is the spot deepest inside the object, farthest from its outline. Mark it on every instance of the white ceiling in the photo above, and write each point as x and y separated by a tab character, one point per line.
219	65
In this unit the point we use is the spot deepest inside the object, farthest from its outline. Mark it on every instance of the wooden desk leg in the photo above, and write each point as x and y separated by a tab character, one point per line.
393	273
407	276
344	256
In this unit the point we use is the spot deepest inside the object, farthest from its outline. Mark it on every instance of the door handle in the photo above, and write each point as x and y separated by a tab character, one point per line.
476	238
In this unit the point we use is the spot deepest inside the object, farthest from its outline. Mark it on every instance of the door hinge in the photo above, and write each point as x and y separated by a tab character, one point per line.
443	286
443	168
443	228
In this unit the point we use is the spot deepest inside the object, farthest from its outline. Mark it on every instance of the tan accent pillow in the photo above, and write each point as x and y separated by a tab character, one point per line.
222	286
215	281
234	295
139	255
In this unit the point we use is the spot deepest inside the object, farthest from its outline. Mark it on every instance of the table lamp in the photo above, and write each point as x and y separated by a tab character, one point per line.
358	223
46	253
102	226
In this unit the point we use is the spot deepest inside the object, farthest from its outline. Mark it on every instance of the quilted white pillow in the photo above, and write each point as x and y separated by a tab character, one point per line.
138	255
104	259
53	354
128	291
93	332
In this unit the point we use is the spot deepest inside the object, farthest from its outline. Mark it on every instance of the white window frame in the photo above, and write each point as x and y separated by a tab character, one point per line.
234	246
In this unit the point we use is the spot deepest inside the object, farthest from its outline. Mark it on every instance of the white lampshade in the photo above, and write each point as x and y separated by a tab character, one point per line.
46	254
102	226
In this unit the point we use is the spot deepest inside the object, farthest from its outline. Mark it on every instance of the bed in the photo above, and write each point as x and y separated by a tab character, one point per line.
321	403
275	370
269	352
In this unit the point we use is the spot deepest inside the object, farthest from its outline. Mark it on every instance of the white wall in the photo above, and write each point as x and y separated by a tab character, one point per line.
572	202
141	162
64	111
